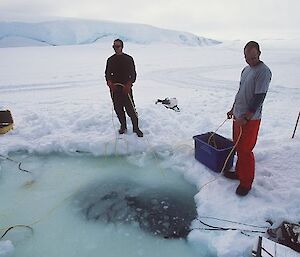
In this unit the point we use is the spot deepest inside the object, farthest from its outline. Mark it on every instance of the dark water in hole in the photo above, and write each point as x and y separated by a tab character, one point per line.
159	210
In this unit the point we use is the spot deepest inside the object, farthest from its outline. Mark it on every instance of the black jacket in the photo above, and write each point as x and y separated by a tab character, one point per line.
120	69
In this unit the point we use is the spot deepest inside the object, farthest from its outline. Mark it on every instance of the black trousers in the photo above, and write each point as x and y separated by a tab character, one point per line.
121	102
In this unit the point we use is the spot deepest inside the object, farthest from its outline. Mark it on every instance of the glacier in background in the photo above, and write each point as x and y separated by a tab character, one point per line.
67	31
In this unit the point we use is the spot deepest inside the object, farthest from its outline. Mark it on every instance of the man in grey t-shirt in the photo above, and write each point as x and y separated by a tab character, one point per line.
246	111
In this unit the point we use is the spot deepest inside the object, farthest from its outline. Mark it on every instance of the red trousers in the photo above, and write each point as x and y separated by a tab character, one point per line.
245	166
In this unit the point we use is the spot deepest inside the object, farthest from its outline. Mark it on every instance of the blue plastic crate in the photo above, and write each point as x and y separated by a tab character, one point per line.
213	154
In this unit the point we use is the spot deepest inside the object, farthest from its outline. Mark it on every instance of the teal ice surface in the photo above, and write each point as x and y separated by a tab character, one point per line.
44	200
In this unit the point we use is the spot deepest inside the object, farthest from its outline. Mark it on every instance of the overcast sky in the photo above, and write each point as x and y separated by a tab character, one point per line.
220	19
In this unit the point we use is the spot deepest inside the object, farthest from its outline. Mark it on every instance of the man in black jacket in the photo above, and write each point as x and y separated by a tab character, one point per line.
120	74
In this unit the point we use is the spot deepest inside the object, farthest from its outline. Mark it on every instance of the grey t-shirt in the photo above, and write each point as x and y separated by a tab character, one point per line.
254	80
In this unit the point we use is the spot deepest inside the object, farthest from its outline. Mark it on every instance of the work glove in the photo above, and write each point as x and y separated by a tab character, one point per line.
230	114
126	88
112	86
244	119
248	115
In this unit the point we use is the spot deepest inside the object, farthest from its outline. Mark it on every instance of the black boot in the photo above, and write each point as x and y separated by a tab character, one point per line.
122	130
135	124
138	132
242	191
230	174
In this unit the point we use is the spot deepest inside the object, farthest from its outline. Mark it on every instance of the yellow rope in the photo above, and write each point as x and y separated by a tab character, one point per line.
225	162
116	136
213	133
12	227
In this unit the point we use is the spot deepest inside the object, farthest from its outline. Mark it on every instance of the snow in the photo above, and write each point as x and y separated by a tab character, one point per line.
6	248
61	104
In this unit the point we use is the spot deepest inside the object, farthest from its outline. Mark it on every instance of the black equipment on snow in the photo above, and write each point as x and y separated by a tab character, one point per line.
6	121
287	234
170	103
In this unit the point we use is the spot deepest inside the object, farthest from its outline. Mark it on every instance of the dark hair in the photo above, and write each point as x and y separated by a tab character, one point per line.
252	44
119	40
